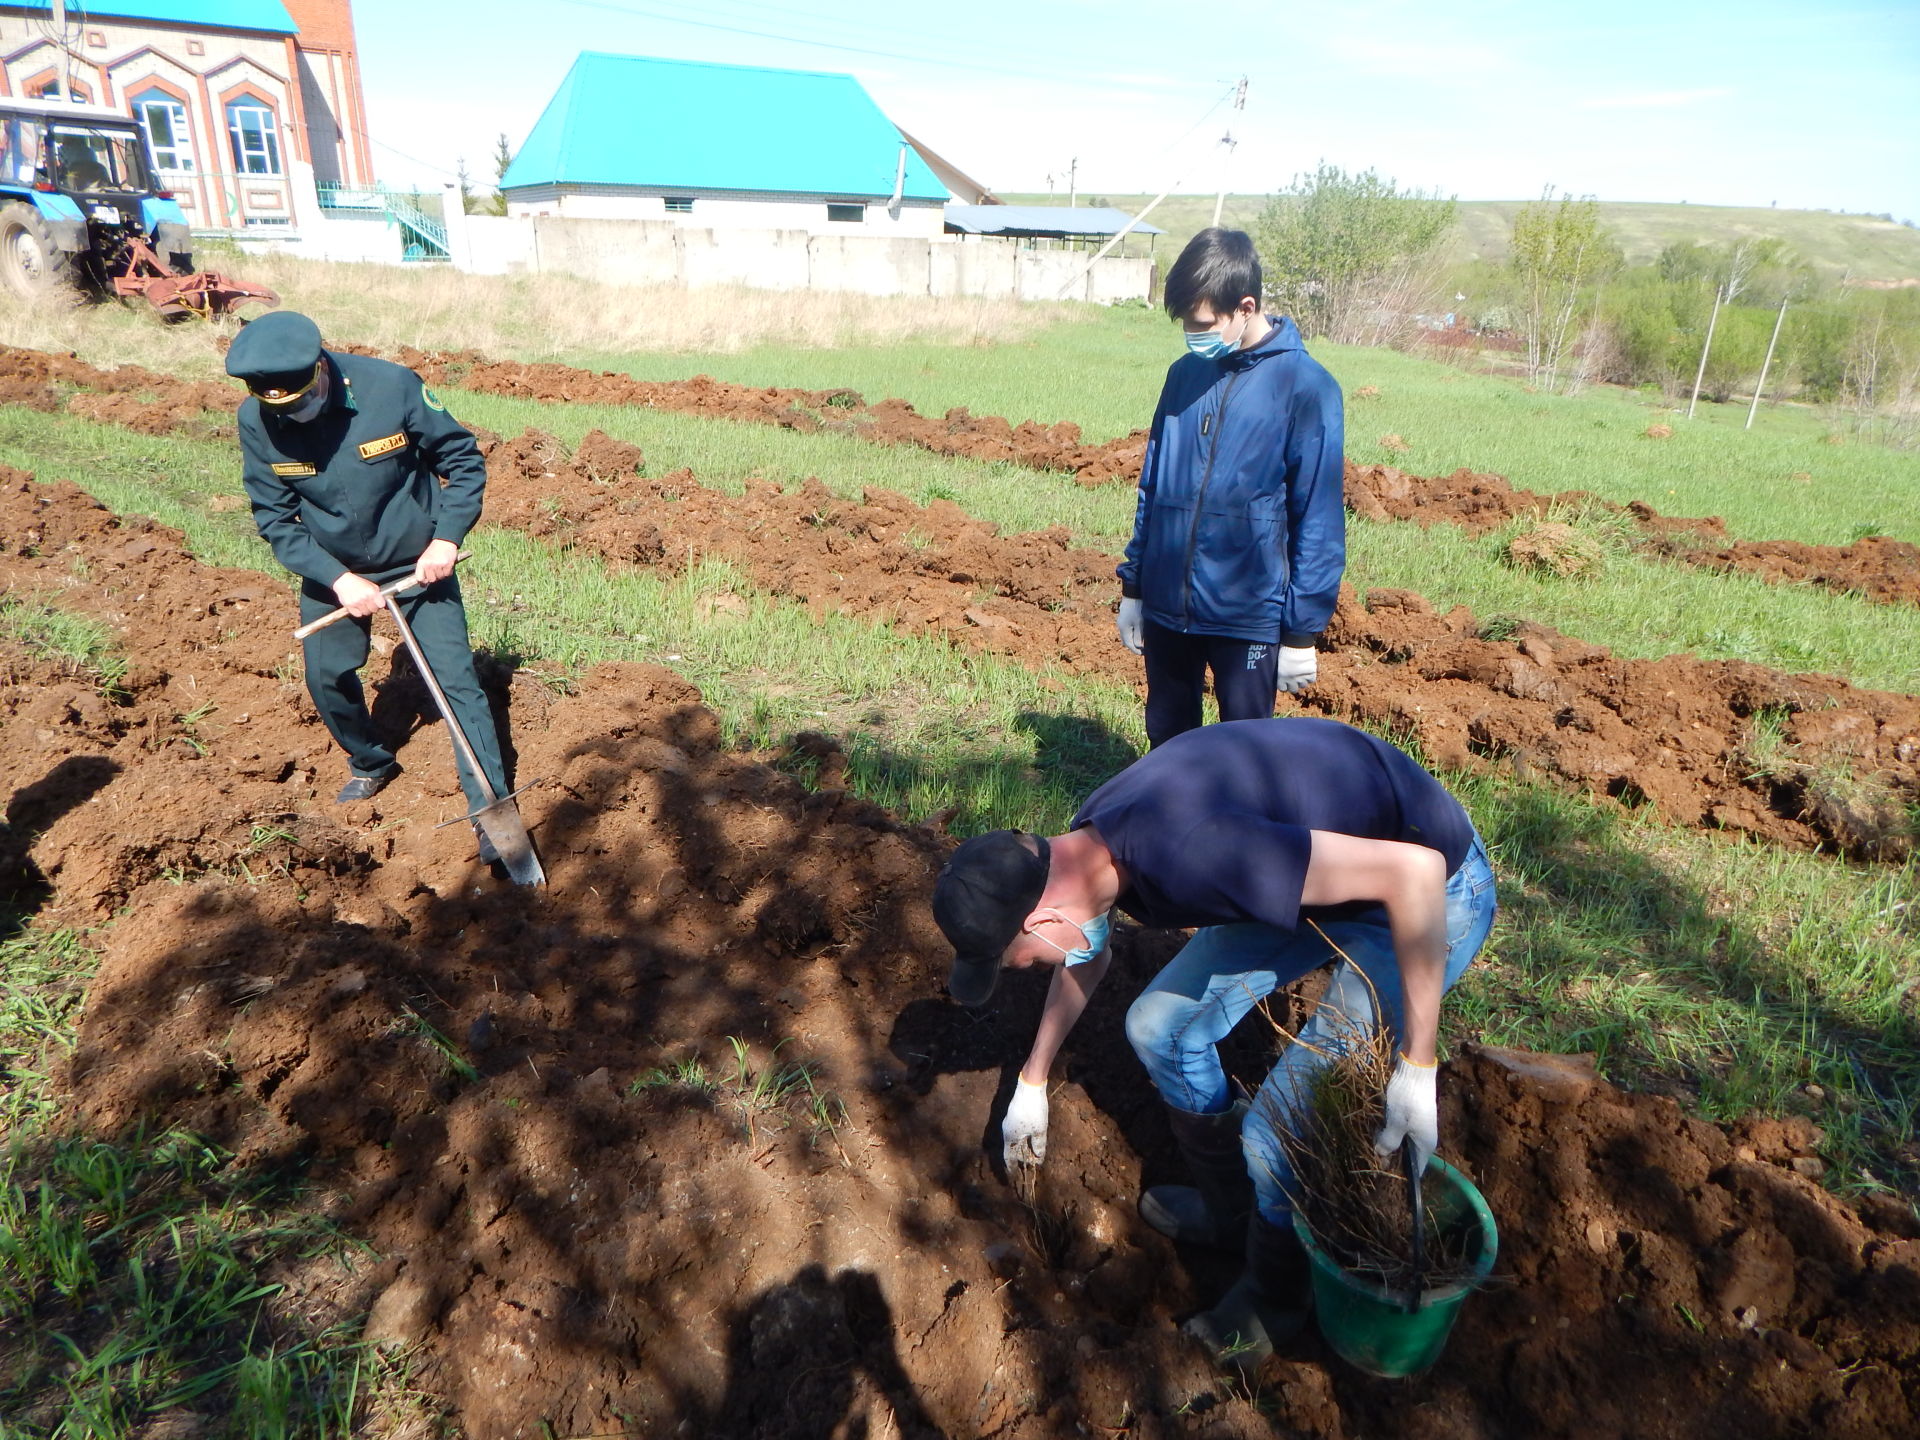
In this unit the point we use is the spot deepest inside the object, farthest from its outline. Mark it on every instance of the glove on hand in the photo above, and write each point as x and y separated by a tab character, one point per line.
1298	665
1023	1134
1413	1108
1132	625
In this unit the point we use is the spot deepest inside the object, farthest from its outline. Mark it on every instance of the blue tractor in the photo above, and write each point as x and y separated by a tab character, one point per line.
79	210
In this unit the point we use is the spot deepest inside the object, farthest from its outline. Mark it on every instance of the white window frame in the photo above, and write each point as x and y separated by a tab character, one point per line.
176	158
263	159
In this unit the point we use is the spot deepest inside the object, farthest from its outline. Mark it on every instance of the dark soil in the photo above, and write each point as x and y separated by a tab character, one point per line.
573	1253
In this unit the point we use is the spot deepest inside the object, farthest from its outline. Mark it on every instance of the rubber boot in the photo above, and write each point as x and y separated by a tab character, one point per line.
1266	1306
1213	1211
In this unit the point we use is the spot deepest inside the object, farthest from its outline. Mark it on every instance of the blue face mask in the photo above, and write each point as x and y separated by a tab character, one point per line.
1093	936
1211	344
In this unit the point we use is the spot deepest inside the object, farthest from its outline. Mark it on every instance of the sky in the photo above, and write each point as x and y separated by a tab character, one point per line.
1705	101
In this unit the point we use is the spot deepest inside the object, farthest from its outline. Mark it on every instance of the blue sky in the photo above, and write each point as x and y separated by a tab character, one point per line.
1706	101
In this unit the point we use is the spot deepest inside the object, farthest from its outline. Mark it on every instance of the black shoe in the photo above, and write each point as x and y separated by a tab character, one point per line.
488	855
1266	1306
364	787
1213	1210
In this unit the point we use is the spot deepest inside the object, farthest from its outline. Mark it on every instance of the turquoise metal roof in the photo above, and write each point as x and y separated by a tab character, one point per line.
268	15
681	124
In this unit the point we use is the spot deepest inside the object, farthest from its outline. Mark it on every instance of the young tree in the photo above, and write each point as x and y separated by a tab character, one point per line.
466	186
1558	250
502	158
1352	257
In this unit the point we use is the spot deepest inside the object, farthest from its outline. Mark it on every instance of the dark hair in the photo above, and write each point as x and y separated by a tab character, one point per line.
1218	266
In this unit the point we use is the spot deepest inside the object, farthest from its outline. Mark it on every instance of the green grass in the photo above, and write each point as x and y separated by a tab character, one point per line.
1731	973
83	646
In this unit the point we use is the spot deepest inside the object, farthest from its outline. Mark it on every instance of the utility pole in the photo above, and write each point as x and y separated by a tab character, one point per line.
66	51
1240	104
1700	374
1073	182
1772	340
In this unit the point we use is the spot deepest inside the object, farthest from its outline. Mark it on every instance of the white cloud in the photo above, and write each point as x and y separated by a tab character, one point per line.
1655	100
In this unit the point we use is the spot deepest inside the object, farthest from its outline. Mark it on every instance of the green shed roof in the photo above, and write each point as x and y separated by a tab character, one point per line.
268	15
682	124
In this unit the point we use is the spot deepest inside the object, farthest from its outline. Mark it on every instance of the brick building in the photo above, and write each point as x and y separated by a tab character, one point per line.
248	103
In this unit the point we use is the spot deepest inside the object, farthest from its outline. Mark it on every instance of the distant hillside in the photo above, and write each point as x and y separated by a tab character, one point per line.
1866	248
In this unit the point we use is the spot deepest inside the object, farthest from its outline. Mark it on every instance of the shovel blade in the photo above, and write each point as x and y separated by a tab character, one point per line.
500	822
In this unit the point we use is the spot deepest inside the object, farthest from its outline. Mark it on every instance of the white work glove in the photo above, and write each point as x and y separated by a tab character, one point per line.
1296	669
1413	1108
1132	624
1023	1134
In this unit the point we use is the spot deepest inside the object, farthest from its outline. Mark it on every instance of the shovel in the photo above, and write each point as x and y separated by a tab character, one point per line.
499	818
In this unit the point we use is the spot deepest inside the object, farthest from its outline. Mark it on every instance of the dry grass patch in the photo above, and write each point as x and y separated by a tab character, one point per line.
522	317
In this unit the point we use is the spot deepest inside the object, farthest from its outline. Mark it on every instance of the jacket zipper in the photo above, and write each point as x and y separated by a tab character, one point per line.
1206	479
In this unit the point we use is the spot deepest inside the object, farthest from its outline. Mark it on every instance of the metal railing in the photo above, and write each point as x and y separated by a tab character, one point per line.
429	236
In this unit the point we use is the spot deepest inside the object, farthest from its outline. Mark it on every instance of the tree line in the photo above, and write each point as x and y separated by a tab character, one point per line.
1356	259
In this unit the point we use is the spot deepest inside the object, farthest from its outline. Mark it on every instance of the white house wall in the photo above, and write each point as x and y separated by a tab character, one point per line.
727	212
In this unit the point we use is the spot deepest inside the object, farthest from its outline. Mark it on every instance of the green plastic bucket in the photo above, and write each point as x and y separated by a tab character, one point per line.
1370	1326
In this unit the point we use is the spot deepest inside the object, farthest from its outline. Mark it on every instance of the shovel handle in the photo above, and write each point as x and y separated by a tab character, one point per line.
1410	1163
388	590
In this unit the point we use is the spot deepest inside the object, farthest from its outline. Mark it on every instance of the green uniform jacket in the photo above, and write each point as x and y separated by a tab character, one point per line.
355	489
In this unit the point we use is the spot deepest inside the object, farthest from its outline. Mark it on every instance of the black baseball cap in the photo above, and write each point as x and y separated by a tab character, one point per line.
984	894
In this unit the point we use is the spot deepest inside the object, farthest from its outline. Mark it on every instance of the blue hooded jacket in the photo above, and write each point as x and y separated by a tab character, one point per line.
1240	528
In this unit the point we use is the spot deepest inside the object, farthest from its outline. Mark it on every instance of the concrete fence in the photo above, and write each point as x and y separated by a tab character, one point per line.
655	252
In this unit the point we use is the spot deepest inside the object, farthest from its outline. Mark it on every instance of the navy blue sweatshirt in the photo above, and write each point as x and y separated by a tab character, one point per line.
1240	528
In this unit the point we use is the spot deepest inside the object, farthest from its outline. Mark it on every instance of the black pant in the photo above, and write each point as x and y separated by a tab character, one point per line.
1245	679
334	657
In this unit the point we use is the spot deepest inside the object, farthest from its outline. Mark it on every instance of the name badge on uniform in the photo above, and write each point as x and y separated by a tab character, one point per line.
293	467
386	445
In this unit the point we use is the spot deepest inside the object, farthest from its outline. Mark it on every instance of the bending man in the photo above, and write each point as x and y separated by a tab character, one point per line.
1250	829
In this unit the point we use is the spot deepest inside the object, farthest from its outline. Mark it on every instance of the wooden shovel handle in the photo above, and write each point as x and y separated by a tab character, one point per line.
392	587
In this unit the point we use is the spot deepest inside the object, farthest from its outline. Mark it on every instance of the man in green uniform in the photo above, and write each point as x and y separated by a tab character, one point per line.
343	457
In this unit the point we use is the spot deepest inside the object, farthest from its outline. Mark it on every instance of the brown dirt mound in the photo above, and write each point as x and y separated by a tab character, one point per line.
1672	732
569	1250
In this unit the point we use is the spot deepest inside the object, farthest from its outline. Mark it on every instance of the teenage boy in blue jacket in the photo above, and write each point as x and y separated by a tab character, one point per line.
1292	843
1239	538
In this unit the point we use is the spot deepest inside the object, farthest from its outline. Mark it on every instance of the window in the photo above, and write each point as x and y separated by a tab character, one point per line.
88	158
256	139
166	122
50	90
853	213
679	204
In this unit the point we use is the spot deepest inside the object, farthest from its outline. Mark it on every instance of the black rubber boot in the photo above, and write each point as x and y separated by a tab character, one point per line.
1213	1210
1266	1306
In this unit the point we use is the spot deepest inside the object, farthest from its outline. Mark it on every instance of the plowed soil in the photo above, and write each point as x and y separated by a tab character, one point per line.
575	1252
1676	733
1879	568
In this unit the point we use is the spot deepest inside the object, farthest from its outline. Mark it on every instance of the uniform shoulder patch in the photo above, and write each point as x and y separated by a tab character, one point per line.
385	445
293	467
429	399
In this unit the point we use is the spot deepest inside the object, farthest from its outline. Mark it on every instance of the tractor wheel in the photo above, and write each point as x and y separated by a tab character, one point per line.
31	264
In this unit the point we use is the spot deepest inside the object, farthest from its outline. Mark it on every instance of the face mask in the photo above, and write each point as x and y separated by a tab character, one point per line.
1211	344
1093	936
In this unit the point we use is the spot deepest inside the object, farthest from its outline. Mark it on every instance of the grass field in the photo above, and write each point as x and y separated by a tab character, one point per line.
1862	246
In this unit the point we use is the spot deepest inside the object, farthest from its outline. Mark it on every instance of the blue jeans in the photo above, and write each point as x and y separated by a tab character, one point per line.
1224	970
